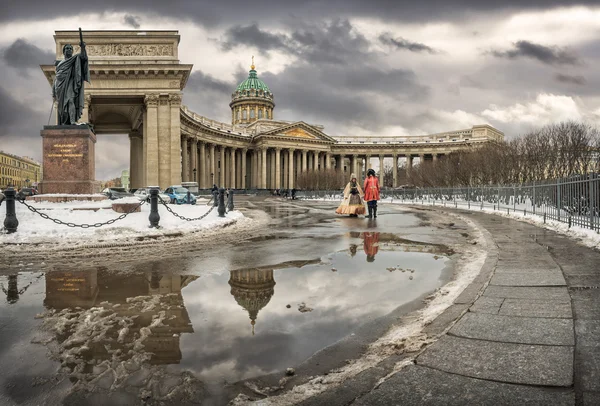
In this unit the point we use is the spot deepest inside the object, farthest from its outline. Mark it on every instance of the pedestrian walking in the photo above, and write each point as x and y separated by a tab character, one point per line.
371	187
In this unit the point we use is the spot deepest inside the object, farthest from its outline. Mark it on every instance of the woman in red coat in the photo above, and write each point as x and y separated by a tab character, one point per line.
371	193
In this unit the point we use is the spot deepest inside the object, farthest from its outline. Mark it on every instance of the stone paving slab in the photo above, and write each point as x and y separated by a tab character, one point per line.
576	281
529	278
523	330
504	362
588	333
416	385
536	308
490	305
522	269
443	320
518	292
591	398
586	303
589	368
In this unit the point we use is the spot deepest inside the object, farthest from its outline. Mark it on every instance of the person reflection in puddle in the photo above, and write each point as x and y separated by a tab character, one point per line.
371	244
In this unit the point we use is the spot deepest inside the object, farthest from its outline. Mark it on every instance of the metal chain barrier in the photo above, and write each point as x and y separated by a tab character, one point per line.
60	222
182	217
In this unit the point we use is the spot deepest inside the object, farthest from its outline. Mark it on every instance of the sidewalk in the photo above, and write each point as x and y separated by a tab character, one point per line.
526	331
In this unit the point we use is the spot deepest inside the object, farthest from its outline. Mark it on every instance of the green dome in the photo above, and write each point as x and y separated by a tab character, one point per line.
253	82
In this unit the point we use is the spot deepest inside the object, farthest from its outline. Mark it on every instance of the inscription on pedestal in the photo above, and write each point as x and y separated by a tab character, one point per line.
69	163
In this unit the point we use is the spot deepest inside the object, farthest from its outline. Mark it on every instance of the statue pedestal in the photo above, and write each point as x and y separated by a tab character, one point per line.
69	160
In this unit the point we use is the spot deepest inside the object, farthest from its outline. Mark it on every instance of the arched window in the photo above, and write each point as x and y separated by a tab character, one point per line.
260	113
244	116
238	115
252	113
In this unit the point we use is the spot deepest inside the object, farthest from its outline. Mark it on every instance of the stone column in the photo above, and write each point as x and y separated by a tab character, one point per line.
310	161
232	167
85	113
367	162
185	159
271	174
340	163
327	160
381	170
151	140
202	166
435	157
175	132
243	177
291	168
304	152
421	159
253	166
222	169
353	164
395	170
263	181
212	174
409	163
194	160
277	168
136	164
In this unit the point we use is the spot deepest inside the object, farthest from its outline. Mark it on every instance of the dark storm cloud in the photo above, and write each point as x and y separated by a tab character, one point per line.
551	55
401	43
575	80
254	36
333	42
24	55
212	13
131	20
199	81
12	112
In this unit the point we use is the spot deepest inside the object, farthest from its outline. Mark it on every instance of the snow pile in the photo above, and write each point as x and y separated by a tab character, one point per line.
34	229
584	236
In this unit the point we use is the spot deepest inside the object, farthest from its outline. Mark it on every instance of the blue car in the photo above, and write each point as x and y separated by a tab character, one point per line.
179	195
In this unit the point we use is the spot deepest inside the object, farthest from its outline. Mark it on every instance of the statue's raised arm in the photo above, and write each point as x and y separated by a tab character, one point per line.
68	89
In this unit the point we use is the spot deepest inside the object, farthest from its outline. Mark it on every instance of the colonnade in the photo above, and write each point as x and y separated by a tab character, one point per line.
264	167
260	167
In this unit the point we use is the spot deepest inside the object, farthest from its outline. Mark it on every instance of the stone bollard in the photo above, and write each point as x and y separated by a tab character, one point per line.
189	198
230	201
10	222
154	216
221	202
215	198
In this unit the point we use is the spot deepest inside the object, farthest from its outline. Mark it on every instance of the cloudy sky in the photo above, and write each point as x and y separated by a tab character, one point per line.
376	67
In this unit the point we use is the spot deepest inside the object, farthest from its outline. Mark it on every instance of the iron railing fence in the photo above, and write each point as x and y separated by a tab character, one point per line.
573	201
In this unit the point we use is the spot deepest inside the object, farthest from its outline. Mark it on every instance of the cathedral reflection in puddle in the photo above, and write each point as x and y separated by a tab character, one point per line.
209	324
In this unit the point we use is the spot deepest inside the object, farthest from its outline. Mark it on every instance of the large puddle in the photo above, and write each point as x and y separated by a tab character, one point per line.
232	321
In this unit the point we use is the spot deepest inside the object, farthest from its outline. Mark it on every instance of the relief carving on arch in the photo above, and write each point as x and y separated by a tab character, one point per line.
116	49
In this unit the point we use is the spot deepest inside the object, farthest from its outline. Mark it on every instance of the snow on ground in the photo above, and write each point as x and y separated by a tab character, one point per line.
34	229
585	236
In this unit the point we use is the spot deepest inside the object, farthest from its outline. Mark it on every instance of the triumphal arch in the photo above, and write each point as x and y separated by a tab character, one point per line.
137	83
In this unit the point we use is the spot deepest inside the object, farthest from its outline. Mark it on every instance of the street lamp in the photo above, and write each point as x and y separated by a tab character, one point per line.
194	171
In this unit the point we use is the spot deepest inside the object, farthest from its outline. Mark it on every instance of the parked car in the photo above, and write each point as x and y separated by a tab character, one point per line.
114	193
179	195
25	192
143	193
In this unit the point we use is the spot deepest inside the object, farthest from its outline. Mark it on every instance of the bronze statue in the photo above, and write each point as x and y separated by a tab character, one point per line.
68	89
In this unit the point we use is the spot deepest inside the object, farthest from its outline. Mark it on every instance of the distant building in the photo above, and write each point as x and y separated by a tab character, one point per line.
19	171
125	179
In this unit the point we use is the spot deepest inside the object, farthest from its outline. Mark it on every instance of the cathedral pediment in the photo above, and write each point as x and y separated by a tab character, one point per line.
298	130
